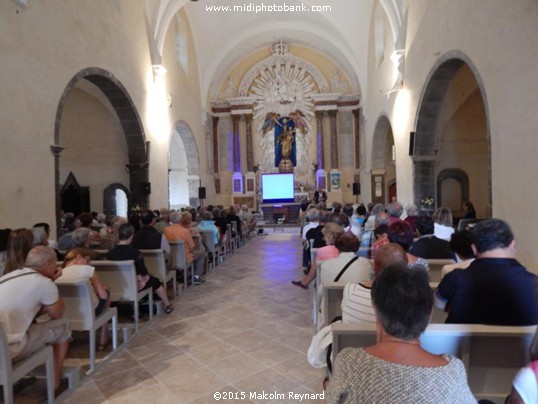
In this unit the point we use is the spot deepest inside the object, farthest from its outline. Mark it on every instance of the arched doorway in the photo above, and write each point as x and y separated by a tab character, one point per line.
98	125
184	168
384	183
452	142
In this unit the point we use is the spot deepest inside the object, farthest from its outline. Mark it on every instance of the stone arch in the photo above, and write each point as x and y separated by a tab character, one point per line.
460	176
123	105
379	144
109	198
427	143
383	171
184	156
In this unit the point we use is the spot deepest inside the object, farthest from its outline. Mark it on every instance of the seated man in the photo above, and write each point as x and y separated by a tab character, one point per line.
27	293
180	231
495	289
461	243
148	237
428	246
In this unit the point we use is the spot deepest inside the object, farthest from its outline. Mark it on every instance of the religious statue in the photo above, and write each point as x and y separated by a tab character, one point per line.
285	146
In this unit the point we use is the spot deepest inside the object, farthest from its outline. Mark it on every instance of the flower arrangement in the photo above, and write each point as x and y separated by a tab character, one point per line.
427	201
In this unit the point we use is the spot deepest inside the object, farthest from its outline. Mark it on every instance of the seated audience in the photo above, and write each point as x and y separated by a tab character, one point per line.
248	218
395	210
368	236
470	212
109	234
86	221
397	369
46	226
370	222
356	300
429	246
401	233
381	238
331	231
208	224
495	289
357	220
19	244
148	238
125	251
461	244
232	217
77	268
30	291
443	223
164	221
412	213
180	231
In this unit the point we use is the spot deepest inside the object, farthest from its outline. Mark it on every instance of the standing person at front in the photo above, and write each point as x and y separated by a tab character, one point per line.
27	293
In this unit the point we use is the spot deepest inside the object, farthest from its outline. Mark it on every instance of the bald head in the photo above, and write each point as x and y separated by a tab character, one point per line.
387	255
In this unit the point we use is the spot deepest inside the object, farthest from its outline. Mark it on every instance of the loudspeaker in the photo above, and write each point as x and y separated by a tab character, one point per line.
412	143
201	193
356	188
145	188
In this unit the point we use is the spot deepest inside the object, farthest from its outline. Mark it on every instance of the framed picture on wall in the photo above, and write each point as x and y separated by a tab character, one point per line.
217	185
237	185
250	185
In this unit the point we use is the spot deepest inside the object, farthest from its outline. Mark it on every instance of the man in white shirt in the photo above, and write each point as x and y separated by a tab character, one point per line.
26	294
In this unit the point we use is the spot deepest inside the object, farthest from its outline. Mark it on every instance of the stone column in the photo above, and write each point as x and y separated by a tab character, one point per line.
56	152
236	143
320	154
334	140
250	149
215	144
357	130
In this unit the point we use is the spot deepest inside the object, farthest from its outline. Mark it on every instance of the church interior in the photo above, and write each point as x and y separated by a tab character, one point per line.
124	105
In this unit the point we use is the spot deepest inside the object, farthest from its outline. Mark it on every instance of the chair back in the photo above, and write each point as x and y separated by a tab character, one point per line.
197	241
436	265
120	276
5	358
178	254
155	263
207	240
78	304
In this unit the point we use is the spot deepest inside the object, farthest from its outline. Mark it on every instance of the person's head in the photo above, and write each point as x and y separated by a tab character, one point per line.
43	260
126	232
411	210
147	218
348	210
402	300
69	221
468	207
81	237
331	232
207	216
216	212
186	219
401	233
389	254
361	210
101	218
134	219
313	215
339	218
337	207
116	222
19	244
231	211
40	236
442	216
381	218
79	256
378	207
4	237
461	243
45	226
244	208
347	242
175	217
395	209
164	214
424	225
380	230
86	219
491	234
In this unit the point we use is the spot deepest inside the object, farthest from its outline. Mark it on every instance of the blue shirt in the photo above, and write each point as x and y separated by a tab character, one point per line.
494	291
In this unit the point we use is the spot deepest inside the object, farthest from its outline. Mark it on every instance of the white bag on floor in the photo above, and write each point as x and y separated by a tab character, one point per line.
317	352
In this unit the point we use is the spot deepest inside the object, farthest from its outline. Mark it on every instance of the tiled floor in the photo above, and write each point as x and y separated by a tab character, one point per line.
246	330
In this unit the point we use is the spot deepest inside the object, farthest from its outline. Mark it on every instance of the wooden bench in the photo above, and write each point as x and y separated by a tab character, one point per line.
178	257
436	265
492	355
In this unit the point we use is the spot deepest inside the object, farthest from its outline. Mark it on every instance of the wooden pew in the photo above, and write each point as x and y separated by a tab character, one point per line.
435	268
492	355
156	264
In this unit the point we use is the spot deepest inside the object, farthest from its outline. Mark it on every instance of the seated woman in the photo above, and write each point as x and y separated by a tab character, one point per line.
470	212
331	231
401	233
396	369
356	300
77	267
19	244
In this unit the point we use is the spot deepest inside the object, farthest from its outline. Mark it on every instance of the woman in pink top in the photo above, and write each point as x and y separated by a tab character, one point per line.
330	232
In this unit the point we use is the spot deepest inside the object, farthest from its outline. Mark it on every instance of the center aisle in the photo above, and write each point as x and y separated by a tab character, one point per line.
247	329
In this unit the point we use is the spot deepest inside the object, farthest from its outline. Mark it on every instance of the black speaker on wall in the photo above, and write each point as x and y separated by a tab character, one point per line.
145	188
412	143
201	193
356	188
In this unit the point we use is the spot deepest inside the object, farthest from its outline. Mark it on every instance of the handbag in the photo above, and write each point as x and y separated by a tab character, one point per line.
318	349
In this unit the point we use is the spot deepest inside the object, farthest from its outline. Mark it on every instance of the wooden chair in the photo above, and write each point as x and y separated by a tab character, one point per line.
492	355
120	276
79	310
11	372
236	238
207	241
156	265
178	256
230	239
199	246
